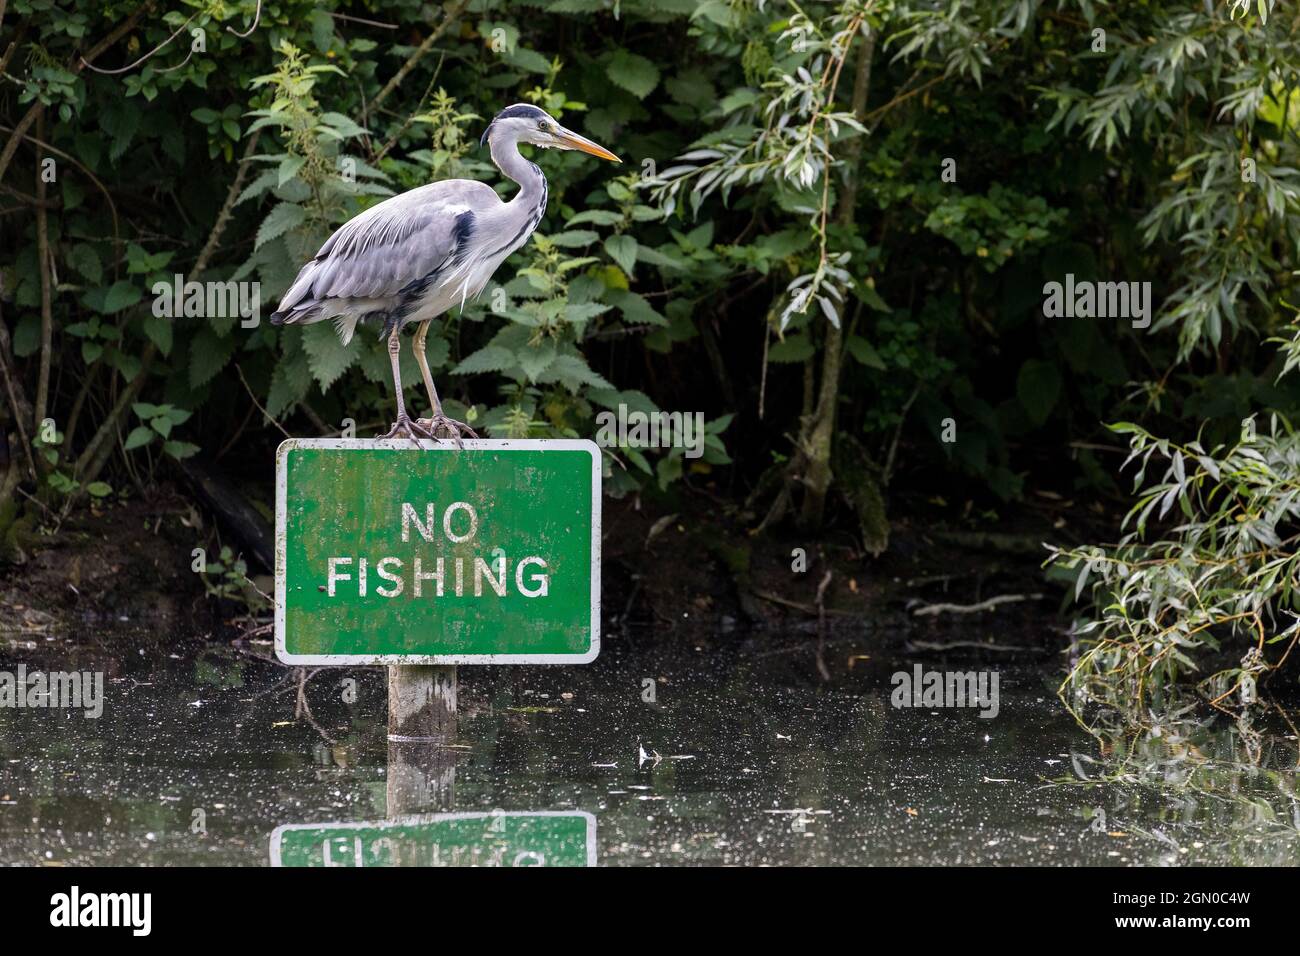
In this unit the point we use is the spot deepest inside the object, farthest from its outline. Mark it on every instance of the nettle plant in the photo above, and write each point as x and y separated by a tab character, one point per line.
315	185
156	424
226	579
1219	585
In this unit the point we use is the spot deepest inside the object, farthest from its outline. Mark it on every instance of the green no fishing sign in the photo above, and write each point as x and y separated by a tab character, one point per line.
389	553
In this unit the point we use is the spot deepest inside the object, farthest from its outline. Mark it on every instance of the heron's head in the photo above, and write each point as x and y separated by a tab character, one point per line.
523	123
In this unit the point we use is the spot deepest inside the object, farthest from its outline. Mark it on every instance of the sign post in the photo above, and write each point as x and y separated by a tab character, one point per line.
424	558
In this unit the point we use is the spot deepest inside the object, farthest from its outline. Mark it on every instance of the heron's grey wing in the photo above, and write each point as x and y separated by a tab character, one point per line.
377	253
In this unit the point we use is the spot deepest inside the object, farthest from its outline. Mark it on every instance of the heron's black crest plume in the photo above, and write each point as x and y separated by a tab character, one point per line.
512	112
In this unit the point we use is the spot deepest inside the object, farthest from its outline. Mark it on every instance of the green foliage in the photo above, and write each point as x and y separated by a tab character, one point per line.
728	265
1216	585
158	422
227	579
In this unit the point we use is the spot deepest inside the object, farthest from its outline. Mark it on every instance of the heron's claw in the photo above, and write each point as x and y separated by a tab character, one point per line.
449	426
405	428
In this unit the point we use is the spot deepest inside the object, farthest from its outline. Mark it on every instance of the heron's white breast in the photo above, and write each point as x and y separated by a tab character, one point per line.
460	285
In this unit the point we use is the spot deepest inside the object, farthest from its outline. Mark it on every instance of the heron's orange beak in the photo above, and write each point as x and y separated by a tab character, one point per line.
570	140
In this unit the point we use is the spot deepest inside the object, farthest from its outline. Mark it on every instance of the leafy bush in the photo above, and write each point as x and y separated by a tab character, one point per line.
1217	591
803	272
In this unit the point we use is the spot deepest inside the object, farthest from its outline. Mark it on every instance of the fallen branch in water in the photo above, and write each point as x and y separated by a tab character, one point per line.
955	645
798	605
930	609
821	625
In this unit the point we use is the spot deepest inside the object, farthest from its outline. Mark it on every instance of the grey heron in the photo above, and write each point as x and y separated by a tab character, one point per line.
413	256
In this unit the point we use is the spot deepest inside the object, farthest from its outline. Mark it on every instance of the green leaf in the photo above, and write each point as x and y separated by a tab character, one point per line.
490	358
580	313
85	260
573	238
622	249
259	185
140	435
529	60
572	372
535	359
327	357
121	295
290	383
657	257
289	167
864	352
99	489
159	330
600	217
635	308
280	220
436	352
322	30
124	362
209	354
669	469
180	449
633	73
871	298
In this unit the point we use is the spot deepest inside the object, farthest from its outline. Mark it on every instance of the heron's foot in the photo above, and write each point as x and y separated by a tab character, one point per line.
448	426
405	428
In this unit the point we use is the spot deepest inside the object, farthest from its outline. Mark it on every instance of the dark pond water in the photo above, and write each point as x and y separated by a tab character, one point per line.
746	755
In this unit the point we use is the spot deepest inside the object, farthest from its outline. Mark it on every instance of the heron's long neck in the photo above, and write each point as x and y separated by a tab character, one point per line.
532	184
520	216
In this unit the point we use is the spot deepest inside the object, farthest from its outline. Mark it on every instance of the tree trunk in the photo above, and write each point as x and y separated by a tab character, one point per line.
43	266
818	440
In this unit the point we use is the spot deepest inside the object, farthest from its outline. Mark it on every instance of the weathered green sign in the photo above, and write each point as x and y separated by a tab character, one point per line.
551	838
389	553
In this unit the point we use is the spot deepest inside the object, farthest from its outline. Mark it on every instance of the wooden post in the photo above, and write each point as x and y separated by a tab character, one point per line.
421	722
421	702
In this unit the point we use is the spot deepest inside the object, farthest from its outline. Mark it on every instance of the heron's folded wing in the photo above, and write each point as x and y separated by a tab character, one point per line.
392	244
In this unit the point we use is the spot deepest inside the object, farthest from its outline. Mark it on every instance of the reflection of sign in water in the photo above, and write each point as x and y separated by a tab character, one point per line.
387	553
545	838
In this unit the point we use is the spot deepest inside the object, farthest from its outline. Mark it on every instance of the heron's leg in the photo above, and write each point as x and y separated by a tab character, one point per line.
438	420
423	360
403	425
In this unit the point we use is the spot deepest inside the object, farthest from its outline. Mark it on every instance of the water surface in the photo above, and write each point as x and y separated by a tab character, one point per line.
745	756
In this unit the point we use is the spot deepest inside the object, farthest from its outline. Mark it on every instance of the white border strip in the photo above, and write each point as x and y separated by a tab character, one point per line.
445	445
416	820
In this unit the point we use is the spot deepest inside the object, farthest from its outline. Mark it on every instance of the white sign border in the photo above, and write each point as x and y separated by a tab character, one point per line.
277	835
426	446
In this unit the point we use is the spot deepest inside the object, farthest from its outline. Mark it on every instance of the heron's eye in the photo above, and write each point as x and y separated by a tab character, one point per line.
544	126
